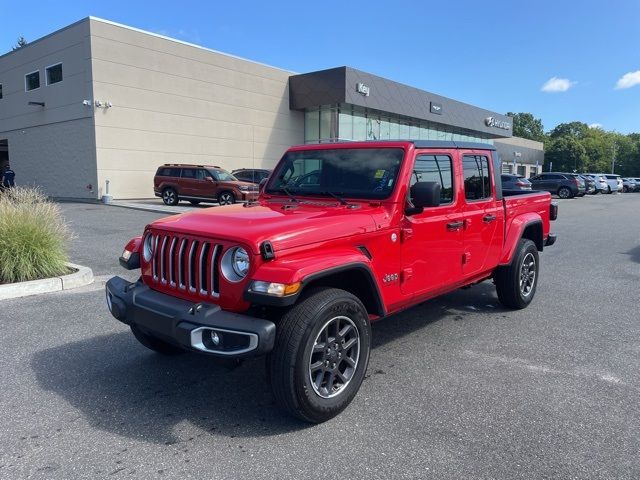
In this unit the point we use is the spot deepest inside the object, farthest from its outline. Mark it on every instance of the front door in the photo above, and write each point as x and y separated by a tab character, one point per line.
433	240
483	216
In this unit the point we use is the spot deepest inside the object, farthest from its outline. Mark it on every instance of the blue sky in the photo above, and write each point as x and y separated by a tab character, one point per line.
493	54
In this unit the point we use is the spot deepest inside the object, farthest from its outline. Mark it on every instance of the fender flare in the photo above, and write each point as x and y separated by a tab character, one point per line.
516	230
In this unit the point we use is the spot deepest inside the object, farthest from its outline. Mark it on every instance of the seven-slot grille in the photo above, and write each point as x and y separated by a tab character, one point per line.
186	264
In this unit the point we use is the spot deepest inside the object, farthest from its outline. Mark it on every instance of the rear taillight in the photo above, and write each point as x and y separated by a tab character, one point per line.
576	181
521	184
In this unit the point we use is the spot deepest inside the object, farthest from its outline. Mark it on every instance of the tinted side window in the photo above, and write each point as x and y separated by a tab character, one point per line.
188	173
435	168
477	183
555	177
202	174
169	172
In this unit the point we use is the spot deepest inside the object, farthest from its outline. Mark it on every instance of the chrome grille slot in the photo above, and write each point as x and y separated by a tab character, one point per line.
202	265
163	256
172	262
191	277
215	271
182	264
154	258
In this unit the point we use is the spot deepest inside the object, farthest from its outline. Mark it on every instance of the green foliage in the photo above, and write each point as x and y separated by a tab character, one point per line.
20	43
526	125
33	237
572	129
566	153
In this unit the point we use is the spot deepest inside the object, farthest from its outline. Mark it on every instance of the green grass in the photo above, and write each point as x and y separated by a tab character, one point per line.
33	237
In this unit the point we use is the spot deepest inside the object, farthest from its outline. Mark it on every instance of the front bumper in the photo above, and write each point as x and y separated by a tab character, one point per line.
201	327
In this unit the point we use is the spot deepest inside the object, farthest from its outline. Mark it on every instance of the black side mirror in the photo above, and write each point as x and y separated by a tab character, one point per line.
424	195
263	182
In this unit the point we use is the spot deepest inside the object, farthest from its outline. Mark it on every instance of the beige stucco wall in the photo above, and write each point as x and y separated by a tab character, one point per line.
51	146
177	103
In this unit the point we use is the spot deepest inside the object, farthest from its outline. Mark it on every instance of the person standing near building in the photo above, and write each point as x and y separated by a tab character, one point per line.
8	179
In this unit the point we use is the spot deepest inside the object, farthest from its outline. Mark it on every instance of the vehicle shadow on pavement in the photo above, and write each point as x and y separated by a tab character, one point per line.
121	387
634	253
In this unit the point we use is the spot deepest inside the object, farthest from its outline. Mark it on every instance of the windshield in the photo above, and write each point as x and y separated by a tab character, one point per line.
223	176
349	172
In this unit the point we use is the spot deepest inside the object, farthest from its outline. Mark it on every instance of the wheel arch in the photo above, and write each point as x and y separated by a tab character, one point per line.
529	227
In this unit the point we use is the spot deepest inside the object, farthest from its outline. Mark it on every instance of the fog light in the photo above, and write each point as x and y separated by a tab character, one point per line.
215	339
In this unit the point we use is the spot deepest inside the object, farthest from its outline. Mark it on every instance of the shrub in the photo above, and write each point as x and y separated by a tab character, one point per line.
33	236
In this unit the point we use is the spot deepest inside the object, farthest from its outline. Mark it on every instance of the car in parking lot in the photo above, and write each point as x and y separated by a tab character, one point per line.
629	185
200	183
614	183
514	182
600	182
589	184
253	175
565	185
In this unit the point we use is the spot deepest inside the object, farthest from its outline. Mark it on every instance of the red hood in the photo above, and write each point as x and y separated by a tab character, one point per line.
296	226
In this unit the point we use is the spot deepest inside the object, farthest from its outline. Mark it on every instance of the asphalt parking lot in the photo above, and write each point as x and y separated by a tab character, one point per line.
457	387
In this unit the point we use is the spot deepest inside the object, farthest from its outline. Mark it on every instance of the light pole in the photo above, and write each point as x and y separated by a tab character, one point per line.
613	158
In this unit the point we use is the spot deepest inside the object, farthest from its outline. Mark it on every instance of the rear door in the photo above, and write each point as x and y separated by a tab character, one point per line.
188	183
432	240
483	215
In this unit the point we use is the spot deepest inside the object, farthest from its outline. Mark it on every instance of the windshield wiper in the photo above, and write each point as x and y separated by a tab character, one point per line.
336	196
289	194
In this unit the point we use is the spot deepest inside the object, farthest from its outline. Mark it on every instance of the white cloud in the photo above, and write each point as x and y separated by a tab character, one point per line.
595	125
628	80
555	84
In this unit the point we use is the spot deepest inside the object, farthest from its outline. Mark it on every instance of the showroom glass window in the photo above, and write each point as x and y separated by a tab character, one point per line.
32	81
477	184
54	74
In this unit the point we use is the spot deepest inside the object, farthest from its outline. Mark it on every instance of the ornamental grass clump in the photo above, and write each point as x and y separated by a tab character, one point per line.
33	236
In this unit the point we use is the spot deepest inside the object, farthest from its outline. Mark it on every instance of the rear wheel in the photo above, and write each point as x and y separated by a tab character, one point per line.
226	198
564	192
170	196
321	355
609	190
516	283
155	344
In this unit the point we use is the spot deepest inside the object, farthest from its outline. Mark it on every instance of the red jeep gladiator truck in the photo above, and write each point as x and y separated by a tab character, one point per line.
341	235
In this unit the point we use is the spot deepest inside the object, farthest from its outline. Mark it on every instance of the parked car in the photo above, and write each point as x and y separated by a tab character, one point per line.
253	175
600	182
629	185
589	184
301	274
200	183
564	185
637	184
614	183
514	182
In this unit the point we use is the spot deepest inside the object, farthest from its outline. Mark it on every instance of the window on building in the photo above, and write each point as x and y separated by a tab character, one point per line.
32	81
477	184
435	168
54	74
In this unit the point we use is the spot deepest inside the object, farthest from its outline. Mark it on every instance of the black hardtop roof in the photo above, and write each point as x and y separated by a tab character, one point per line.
452	144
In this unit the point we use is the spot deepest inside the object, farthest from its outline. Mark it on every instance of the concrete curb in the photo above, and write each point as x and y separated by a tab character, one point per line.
150	208
81	277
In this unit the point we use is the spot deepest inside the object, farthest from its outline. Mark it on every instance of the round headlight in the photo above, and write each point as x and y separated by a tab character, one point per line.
240	261
147	248
235	264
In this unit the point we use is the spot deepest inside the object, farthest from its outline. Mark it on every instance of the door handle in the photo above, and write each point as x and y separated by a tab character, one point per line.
455	225
488	218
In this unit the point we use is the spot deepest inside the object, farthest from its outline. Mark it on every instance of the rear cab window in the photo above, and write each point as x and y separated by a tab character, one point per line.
477	178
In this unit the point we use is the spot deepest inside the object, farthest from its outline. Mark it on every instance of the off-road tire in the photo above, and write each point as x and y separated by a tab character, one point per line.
290	363
508	278
170	196
155	344
226	198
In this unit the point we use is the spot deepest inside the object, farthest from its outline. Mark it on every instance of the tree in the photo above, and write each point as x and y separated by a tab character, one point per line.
599	150
572	129
566	153
525	125
20	43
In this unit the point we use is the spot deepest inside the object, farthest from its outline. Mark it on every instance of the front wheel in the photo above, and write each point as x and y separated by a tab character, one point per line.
516	283
321	355
226	198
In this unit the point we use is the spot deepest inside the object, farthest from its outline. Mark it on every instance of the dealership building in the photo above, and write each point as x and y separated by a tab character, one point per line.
99	102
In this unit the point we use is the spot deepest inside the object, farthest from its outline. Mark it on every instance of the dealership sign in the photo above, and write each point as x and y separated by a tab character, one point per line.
436	108
494	122
363	89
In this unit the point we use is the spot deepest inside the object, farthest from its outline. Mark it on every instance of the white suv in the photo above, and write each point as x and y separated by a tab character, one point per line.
615	183
601	182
